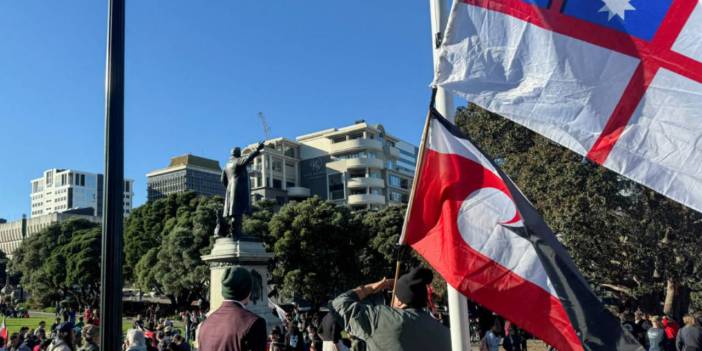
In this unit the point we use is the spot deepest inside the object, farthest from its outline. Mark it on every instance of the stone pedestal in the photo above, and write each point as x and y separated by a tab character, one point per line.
247	253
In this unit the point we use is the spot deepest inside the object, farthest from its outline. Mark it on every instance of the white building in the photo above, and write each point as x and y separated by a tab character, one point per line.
61	190
360	166
275	173
13	233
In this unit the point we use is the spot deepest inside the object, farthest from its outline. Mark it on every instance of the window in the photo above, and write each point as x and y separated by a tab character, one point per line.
376	191
357	191
290	184
277	165
395	181
395	196
277	183
290	151
336	186
357	173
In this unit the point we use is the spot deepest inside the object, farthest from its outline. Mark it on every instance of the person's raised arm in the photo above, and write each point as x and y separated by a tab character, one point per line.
358	317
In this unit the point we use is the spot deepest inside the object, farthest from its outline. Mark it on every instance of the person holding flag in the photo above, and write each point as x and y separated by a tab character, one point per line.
404	326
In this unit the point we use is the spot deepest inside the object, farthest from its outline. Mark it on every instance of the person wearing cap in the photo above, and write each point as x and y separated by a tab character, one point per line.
404	326
64	338
90	338
231	327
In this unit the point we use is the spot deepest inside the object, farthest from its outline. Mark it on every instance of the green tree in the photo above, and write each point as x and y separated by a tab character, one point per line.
148	224
256	223
603	219
61	262
179	229
314	250
3	267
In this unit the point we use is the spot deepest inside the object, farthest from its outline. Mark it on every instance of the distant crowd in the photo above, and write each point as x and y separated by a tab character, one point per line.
664	333
69	332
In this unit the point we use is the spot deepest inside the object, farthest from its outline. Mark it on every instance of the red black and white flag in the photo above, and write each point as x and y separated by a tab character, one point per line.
473	225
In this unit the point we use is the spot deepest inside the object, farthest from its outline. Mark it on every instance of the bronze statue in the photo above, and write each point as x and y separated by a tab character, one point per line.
237	200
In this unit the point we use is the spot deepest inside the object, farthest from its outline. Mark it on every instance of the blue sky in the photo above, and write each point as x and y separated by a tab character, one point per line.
197	74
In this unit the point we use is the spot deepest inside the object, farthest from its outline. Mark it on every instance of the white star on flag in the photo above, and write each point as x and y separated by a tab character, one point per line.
616	8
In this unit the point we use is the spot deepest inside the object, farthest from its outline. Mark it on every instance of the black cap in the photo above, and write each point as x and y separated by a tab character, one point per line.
412	287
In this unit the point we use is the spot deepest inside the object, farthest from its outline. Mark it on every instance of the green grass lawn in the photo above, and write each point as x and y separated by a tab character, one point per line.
14	324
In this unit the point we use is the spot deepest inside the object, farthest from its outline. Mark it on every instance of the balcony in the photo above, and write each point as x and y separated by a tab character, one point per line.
355	145
355	163
366	199
394	152
298	191
361	182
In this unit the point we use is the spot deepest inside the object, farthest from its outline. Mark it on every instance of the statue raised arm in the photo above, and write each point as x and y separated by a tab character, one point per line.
237	199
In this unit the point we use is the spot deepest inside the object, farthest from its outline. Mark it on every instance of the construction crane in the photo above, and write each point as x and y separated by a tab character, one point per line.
264	124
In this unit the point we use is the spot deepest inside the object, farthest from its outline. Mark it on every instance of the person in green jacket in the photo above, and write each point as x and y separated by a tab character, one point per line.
406	326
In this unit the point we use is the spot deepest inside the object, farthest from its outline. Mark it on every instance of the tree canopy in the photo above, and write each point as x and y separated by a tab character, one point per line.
62	262
164	242
628	241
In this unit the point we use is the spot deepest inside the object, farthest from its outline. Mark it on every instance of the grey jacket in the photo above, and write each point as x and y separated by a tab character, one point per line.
689	339
384	328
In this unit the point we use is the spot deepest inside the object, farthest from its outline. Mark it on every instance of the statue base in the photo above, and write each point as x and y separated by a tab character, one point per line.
250	254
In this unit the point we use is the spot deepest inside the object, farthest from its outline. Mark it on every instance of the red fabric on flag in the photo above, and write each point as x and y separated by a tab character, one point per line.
3	332
441	189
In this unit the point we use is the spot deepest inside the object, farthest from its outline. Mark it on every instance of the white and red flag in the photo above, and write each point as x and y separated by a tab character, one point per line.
618	81
472	224
3	333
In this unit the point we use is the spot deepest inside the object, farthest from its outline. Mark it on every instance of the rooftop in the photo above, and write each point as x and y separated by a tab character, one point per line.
192	160
188	161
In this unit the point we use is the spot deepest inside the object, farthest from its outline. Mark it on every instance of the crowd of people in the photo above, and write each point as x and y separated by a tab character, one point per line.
72	331
361	313
663	333
357	320
68	333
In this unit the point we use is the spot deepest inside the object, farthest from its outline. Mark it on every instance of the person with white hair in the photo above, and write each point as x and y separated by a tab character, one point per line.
135	340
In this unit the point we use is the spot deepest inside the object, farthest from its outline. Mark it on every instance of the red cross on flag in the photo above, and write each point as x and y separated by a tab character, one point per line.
618	81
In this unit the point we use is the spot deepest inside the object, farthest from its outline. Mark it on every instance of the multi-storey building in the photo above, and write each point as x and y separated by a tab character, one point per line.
61	190
275	173
186	173
14	232
360	166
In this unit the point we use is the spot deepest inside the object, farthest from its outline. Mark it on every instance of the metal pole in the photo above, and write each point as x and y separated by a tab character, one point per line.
458	304
113	209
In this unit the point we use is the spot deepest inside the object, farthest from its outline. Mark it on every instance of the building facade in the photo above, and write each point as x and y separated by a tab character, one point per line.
186	173
14	232
275	173
360	166
62	190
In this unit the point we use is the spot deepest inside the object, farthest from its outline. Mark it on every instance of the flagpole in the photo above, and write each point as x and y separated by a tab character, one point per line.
113	208
457	303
